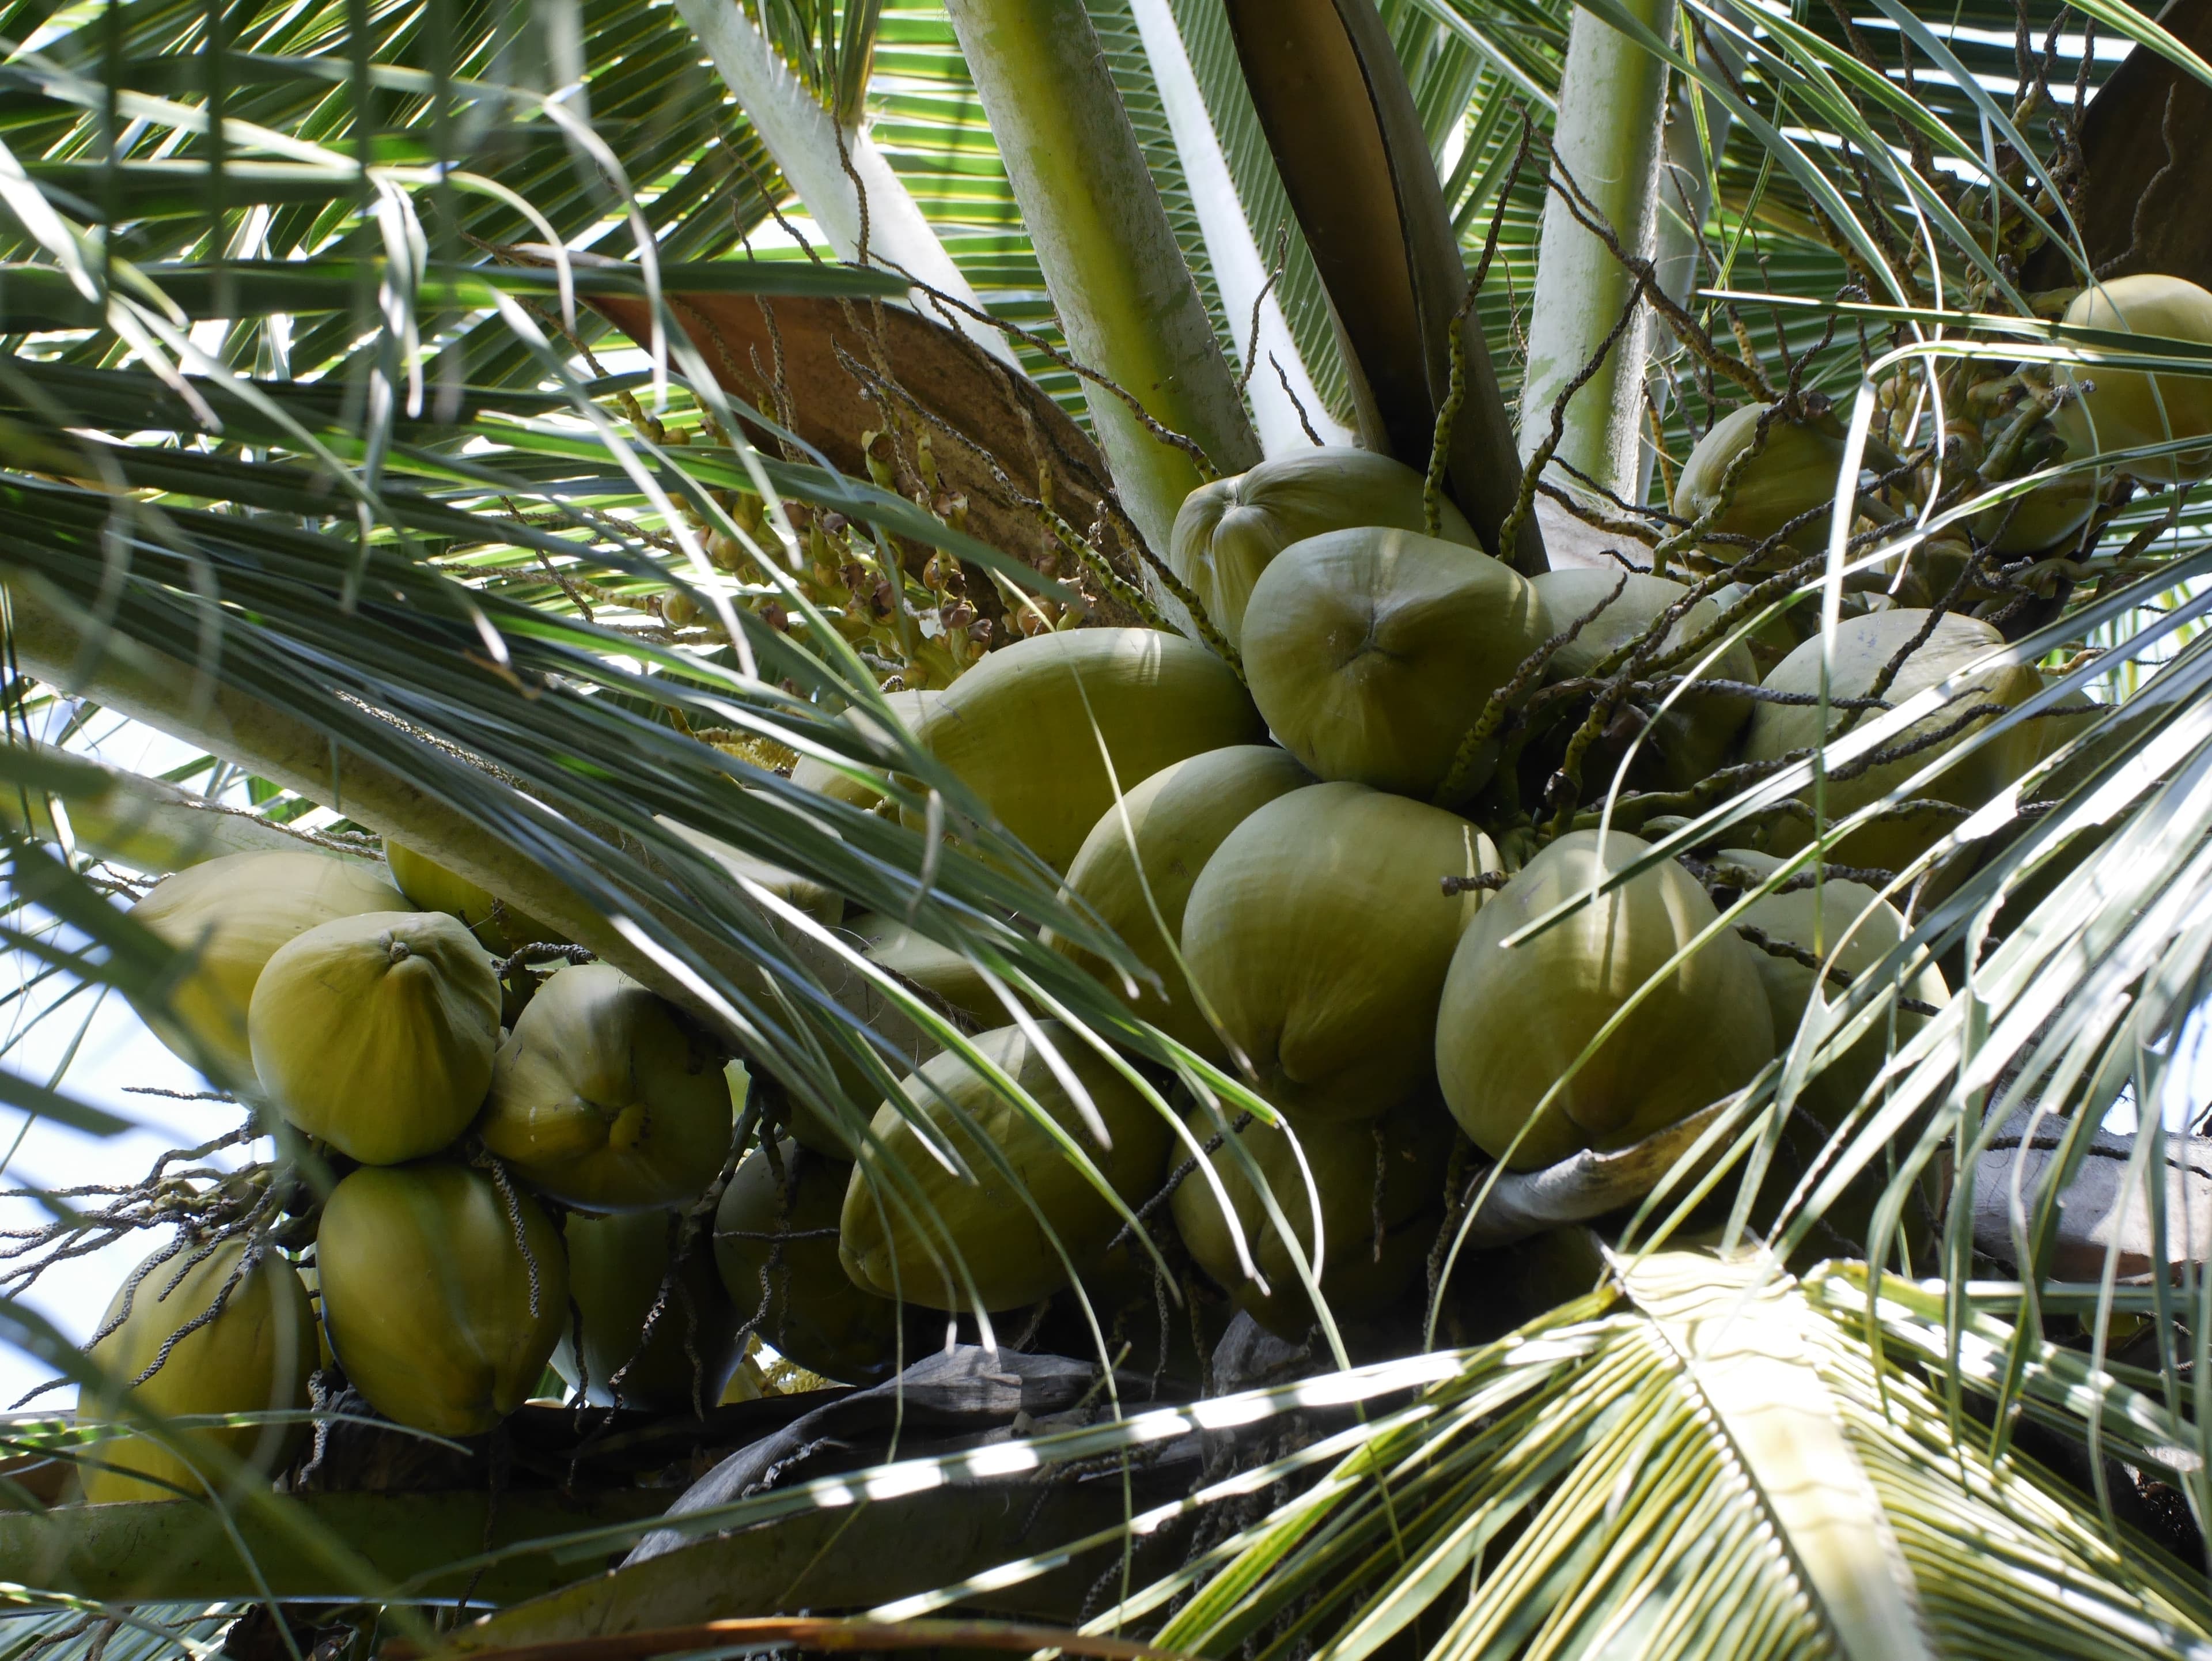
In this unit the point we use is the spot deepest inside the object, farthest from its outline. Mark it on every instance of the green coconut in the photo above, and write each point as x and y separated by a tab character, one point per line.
500	929
827	779
605	1099
444	1298
905	1217
617	1275
1693	739
1515	1019
802	893
2122	409
1023	728
1796	471
1385	1170
252	1357
778	1263
1371	652
233	913
2046	517
1319	936
376	1033
1138	865
1226	533
1863	647
938	969
1860	928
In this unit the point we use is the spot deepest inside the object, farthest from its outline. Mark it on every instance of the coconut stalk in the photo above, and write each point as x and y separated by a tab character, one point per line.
1240	271
862	207
1128	303
50	643
1611	114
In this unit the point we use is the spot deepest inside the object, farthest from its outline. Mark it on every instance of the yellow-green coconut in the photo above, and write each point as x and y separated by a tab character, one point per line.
1370	653
776	1247
233	913
1319	936
376	1033
1024	727
1794	472
1863	647
1386	1170
617	1273
500	929
437	1311
602	1099
1140	862
1695	736
1514	1020
253	1357
1226	533
2127	407
828	779
909	1225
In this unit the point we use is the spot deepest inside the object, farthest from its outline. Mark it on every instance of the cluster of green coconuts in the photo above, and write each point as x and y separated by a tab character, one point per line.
1270	847
363	1001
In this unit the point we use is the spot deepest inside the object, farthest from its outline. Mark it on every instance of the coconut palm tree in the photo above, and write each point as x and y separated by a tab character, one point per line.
545	438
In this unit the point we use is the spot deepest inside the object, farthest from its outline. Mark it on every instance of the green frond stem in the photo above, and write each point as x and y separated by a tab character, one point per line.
1126	298
1611	116
862	206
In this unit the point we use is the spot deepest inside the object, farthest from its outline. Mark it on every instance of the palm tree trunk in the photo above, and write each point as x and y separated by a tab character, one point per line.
1125	296
1612	109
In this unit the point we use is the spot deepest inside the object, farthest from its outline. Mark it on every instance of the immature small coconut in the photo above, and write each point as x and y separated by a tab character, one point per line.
1694	738
1320	935
1857	927
233	914
1140	862
603	1100
912	708
618	1274
376	1033
1371	652
498	928
443	1297
910	1227
1796	471
1514	1020
1864	645
1226	531
776	1247
253	1356
1383	1171
2122	409
1024	729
